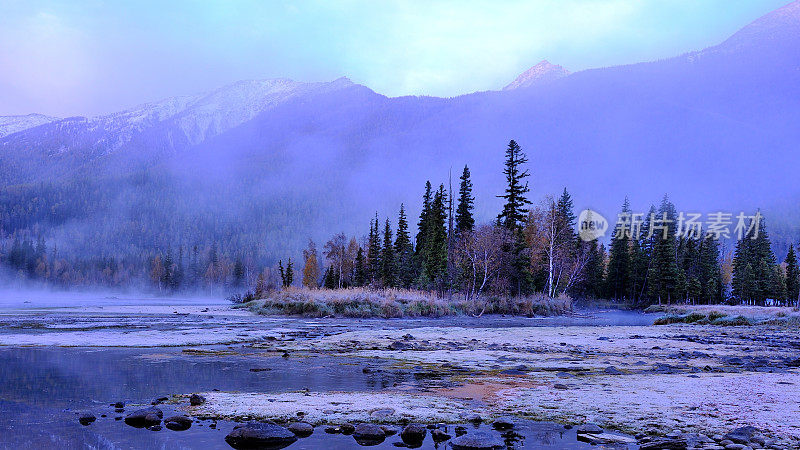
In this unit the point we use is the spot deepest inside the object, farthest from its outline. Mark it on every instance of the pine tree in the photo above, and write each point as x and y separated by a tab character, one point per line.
404	251
238	273
710	271
422	225
618	276
754	250
435	251
792	277
514	210
464	219
360	269
664	279
289	273
374	251
388	269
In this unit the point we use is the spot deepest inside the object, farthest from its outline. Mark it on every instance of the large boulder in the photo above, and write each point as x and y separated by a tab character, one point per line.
369	434
260	435
144	417
178	423
477	440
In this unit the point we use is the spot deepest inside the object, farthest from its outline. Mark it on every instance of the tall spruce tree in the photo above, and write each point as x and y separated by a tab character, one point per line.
710	272
422	226
792	277
374	251
388	269
754	274
464	219
435	250
619	258
514	210
404	251
664	277
360	276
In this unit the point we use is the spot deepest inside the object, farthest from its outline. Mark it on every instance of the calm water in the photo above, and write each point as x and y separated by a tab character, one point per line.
42	388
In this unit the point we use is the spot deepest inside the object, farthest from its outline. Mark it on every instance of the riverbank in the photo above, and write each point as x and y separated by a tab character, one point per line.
397	303
728	315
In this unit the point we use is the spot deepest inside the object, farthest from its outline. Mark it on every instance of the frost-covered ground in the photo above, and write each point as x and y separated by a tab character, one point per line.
635	378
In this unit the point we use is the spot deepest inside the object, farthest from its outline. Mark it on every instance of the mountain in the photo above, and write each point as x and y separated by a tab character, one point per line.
256	168
14	124
540	73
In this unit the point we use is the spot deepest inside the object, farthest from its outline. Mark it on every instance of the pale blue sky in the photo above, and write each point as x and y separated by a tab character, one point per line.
72	57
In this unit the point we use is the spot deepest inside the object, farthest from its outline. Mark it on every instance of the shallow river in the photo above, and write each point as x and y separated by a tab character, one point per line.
42	388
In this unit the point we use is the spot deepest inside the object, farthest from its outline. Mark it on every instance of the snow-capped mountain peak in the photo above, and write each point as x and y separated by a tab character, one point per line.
14	124
540	73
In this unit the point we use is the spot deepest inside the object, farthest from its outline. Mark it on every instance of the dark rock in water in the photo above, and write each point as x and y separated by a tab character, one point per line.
611	370
742	435
178	423
260	435
260	369
440	435
477	440
301	429
679	443
86	418
332	430
369	434
119	405
159	400
144	417
413	433
474	418
152	419
196	399
460	430
589	428
565	375
561	387
390	430
503	423
347	428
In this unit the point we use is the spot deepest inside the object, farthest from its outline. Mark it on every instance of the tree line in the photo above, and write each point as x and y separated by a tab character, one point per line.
536	248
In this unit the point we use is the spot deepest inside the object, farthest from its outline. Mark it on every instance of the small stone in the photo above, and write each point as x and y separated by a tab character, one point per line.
178	423
589	428
301	429
144	417
86	418
611	370
413	433
369	434
503	423
257	435
390	430
196	400
477	440
440	435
